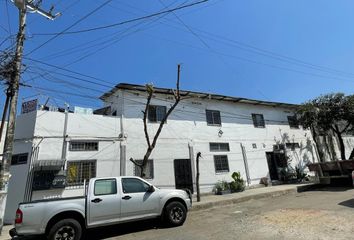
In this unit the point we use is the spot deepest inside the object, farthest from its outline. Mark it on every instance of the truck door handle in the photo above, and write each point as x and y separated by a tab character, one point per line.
126	197
96	200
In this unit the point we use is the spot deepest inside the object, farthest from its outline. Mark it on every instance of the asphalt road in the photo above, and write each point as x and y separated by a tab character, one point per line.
322	214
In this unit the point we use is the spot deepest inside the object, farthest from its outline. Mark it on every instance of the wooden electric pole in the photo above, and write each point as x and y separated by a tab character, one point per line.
12	91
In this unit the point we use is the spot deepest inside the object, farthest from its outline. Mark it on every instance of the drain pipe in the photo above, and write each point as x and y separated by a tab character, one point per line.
245	161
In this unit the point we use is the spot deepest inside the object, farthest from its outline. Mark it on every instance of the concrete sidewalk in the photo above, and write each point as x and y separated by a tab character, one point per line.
210	201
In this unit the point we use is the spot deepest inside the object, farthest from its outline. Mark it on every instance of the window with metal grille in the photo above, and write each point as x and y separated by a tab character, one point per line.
258	120
292	146
83	146
213	117
221	163
79	171
149	167
156	113
219	147
19	159
293	123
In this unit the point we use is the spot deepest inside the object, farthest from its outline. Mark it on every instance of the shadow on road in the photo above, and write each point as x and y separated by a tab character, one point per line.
347	203
328	188
113	231
123	229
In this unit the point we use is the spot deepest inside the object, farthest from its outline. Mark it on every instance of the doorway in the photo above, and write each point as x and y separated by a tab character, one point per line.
183	174
275	161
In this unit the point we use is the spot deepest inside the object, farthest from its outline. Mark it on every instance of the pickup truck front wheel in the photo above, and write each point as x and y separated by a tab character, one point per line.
175	213
66	229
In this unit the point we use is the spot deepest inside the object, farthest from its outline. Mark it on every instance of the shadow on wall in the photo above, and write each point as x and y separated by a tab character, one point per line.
301	158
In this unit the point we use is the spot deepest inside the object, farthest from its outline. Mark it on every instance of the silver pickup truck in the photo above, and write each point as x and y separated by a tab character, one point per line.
108	201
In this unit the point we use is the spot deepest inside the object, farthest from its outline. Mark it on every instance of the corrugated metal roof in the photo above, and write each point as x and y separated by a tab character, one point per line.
200	95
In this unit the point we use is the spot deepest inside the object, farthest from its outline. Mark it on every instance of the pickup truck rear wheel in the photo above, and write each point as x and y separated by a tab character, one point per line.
175	213
66	229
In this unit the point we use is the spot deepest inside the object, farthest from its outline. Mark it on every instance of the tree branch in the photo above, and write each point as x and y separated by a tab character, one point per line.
145	118
346	128
135	162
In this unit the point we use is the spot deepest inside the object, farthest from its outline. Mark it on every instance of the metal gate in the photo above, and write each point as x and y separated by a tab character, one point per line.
183	174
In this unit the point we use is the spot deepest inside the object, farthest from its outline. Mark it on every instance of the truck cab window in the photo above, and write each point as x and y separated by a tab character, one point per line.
134	185
105	187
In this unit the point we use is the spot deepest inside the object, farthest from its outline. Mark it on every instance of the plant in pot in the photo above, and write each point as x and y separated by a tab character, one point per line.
221	187
238	185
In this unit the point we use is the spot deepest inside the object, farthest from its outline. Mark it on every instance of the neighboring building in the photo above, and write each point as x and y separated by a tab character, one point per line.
254	137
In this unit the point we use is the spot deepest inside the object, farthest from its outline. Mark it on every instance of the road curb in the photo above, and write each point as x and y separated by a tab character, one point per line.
237	199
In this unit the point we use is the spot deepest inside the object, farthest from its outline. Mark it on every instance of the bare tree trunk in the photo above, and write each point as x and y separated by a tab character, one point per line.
197	177
152	145
340	141
315	136
352	154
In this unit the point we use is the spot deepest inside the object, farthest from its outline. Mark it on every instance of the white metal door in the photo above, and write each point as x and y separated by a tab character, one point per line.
137	201
103	203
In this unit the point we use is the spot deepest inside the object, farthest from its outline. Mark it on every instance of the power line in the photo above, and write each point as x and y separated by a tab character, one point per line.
68	70
123	22
117	37
8	17
71	26
254	49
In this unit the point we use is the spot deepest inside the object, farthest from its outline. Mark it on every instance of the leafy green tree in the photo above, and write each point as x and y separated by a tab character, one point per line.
331	112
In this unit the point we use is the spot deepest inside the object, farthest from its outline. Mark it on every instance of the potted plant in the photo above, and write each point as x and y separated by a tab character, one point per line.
222	187
238	185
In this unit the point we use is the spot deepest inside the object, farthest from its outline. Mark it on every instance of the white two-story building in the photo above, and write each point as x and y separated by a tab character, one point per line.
56	152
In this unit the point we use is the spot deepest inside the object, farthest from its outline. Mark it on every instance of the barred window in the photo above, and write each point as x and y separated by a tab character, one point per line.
213	117
293	123
19	159
219	147
221	163
83	146
258	120
292	146
79	171
156	113
149	167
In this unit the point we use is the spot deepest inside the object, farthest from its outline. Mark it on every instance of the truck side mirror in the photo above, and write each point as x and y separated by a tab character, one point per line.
151	189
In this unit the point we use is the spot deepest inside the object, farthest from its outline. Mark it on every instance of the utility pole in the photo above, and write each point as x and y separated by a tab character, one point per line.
14	84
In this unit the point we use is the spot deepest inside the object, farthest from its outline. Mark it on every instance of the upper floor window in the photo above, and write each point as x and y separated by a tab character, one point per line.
213	117
83	146
292	146
293	123
19	159
156	113
258	120
219	147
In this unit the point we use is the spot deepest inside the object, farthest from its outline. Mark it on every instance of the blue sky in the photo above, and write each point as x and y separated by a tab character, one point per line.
276	50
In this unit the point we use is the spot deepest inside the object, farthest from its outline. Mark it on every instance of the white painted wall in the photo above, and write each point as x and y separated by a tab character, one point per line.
187	124
45	130
186	127
24	133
